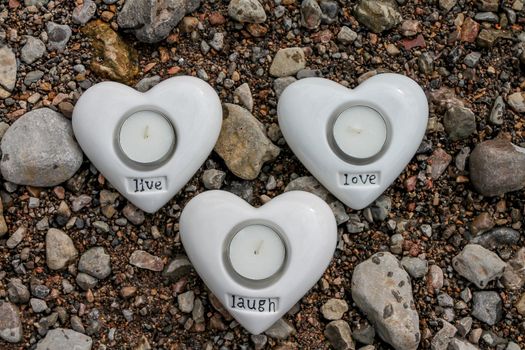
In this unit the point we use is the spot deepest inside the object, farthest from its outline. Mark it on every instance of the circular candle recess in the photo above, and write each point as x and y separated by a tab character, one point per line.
257	252
360	132
146	137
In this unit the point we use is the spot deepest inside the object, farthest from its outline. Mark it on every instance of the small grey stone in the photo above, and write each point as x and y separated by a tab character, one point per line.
76	324
8	70
243	95
497	238
145	260
396	243
212	179
16	238
38	305
425	63
280	84
259	341
497	167
339	212
472	59
133	214
478	265
83	13
243	143
497	112
381	208
310	14
50	153
334	309
185	301
487	307
447	5
247	11
17	291
346	35
217	42
280	330
364	333
86	281
60	249
443	336
416	267
95	262
62	338
198	311
490	17
514	274
33	49
516	101
459	123
147	83
464	325
10	324
287	62
177	268
339	335
461	344
58	36
391	309
35	2
33	77
445	300
378	15
309	184
512	346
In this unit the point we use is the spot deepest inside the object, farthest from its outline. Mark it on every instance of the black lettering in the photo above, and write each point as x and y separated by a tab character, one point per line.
261	305
158	185
240	303
233	301
354	180
365	180
346	180
136	185
251	307
142	185
270	304
149	185
373	179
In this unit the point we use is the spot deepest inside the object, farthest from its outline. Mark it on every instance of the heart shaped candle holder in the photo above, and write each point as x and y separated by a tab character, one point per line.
355	142
148	145
258	261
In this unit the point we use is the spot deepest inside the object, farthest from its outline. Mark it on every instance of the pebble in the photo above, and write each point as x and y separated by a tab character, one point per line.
58	36
280	330
481	223
112	57
8	70
459	123
381	208
516	101
478	265
346	35
152	22
95	262
497	167
391	310
443	336
439	160
416	267
186	301
497	238
243	95
447	5
63	338
247	11
38	305
10	324
498	111
309	184
83	13
514	274
259	341
243	144
280	84
85	281
487	307
177	268
17	291
217	42
133	214
51	155
472	59
145	260
147	83
33	50
288	62
464	325
339	335
60	249
378	15
311	14
16	238
212	179
364	333
334	309
461	344
520	305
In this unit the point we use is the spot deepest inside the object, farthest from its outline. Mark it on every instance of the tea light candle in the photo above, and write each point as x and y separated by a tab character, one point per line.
360	132
146	137
257	252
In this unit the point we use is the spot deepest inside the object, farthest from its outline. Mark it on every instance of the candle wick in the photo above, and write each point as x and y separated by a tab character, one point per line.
146	132
357	130
258	249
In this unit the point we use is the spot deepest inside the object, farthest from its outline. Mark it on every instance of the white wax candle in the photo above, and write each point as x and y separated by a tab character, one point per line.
257	252
360	132
146	137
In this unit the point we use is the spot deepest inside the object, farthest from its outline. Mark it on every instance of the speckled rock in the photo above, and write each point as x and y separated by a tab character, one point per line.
378	15
478	265
39	150
10	324
152	21
459	123
33	49
95	262
145	260
113	58
311	14
497	167
60	249
514	274
288	62
58	36
334	309
497	238
461	344
83	13
247	11
516	101
382	290
64	339
487	307
8	69
339	335
243	143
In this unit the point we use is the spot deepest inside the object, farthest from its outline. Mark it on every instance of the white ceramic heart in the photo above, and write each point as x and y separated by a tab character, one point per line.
306	112
306	225
190	104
